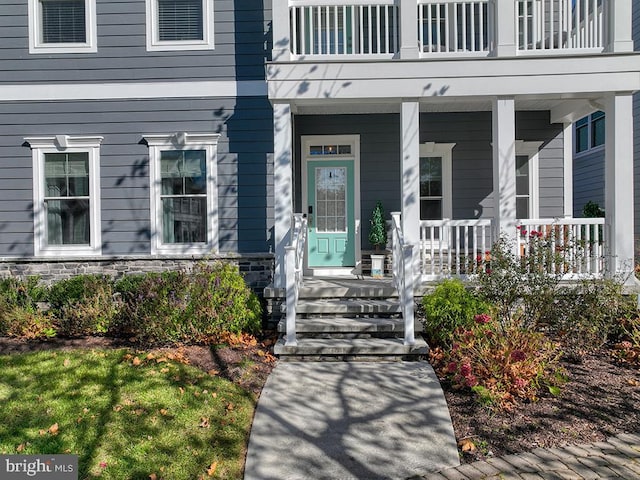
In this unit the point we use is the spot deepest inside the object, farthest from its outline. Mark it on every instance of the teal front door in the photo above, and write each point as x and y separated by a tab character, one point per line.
330	213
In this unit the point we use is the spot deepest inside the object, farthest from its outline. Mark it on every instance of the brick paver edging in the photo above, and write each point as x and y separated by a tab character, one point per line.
618	457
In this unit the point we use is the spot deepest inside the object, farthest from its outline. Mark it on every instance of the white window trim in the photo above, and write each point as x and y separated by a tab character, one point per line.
532	150
66	144
155	45
35	29
444	151
183	141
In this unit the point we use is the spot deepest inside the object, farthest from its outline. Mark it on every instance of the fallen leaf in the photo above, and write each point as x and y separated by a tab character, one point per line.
196	394
633	383
20	447
153	476
85	410
42	432
230	407
181	390
466	445
150	356
79	420
213	372
53	429
162	360
136	361
204	422
139	411
212	469
214	394
164	412
164	370
66	362
117	408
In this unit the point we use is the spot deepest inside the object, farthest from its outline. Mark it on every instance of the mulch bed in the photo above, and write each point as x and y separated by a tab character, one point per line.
601	399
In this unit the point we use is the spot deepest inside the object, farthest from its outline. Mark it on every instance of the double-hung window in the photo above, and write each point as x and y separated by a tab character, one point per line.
435	181
66	195
62	26
179	25
183	193
589	132
527	179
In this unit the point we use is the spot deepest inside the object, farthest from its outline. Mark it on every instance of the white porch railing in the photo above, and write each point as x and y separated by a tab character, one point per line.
446	26
452	247
560	25
403	278
294	253
575	247
344	27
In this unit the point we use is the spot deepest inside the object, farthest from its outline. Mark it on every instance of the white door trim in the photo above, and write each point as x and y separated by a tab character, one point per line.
354	141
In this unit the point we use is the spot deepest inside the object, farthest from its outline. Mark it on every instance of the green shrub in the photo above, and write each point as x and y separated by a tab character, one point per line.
522	289
22	293
187	307
19	313
83	305
449	307
501	365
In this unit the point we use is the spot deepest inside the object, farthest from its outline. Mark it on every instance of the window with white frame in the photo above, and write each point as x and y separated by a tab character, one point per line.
66	195
527	179
62	26
184	193
435	180
179	25
589	132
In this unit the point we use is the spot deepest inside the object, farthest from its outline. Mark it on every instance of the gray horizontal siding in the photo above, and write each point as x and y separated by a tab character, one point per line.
588	180
240	29
245	189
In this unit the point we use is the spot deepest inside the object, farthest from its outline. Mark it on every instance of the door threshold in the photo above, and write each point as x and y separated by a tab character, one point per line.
332	272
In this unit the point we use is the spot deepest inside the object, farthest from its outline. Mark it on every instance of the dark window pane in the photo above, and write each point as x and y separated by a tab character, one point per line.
582	139
430	209
180	20
597	129
522	207
67	222
184	220
63	21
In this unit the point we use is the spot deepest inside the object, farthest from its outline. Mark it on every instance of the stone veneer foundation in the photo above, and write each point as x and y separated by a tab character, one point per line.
256	269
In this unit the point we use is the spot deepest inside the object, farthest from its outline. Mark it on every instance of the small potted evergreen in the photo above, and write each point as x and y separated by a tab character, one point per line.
377	238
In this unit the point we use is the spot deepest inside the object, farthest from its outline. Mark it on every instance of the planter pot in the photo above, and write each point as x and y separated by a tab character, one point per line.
377	265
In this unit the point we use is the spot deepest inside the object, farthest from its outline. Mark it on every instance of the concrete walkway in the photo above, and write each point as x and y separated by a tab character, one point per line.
618	457
350	420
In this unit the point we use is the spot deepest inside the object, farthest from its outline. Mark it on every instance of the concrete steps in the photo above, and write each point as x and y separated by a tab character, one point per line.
348	320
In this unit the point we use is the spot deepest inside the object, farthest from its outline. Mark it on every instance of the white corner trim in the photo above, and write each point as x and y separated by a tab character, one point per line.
137	90
36	46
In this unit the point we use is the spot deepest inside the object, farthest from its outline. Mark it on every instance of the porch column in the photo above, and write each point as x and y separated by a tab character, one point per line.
280	30
619	17
410	131
408	29
505	28
567	138
618	181
504	168
282	187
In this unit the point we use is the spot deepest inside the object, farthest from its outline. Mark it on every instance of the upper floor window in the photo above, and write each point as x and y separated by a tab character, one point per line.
62	26
66	196
589	132
179	25
183	193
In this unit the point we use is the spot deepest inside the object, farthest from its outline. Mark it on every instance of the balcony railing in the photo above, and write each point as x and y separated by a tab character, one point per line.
560	25
336	28
449	27
352	28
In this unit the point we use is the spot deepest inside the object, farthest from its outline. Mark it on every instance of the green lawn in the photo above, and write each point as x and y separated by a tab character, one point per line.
126	417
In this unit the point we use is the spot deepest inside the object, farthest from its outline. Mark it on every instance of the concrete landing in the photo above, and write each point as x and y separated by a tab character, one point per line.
341	420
